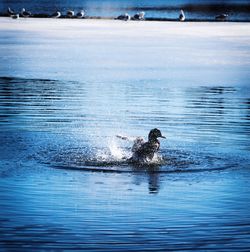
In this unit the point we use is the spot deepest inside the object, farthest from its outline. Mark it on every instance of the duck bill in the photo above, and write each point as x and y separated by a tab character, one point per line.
162	136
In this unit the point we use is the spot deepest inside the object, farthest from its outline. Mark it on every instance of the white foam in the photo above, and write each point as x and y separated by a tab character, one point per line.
116	151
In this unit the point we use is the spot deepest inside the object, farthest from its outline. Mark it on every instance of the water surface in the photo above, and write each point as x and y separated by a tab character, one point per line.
64	182
58	143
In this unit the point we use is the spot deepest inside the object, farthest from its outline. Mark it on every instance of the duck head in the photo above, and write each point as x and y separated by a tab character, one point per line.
154	134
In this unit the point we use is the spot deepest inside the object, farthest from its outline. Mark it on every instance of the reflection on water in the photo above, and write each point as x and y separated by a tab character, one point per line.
65	183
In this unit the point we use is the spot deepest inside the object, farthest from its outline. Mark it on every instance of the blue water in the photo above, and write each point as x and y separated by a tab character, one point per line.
194	9
64	184
57	141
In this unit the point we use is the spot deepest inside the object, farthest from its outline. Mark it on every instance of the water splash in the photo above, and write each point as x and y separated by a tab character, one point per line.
116	151
115	158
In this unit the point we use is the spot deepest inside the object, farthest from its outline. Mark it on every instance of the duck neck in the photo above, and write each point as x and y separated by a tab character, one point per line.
153	140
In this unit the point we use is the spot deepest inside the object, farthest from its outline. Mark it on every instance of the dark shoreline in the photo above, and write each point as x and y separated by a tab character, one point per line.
146	19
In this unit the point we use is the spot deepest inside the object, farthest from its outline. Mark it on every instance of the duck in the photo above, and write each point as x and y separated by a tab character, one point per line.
57	14
25	13
182	16
143	152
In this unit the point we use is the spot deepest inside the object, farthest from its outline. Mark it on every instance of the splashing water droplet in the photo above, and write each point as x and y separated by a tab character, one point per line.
116	151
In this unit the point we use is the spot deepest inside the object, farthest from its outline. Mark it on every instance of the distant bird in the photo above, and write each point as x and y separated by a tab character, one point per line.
10	12
139	16
70	13
221	17
15	16
25	13
124	17
80	14
57	14
182	16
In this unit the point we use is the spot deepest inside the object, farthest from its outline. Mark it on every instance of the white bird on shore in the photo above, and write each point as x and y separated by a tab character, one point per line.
139	16
182	16
25	13
10	12
57	14
80	14
70	13
221	17
124	17
15	16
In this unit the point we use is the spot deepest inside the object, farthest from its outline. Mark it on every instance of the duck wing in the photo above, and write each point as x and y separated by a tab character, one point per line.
147	151
138	142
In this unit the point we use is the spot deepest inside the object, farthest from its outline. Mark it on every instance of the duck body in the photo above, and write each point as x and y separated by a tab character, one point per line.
145	151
